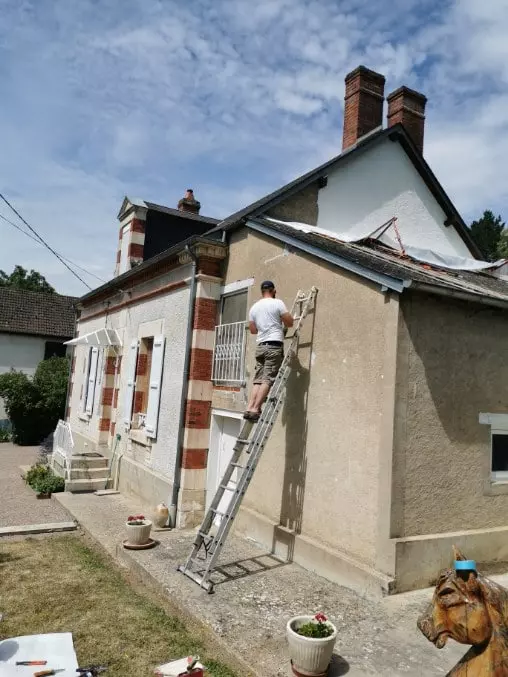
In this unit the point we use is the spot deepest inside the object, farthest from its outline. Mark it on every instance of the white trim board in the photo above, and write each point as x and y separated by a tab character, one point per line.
237	286
226	413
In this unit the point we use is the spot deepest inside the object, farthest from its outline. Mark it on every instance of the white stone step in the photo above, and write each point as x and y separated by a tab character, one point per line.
85	485
88	473
79	461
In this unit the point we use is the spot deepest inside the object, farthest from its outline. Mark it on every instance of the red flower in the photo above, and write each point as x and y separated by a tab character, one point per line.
320	618
130	518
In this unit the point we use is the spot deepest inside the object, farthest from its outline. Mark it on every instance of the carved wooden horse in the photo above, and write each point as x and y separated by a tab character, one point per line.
473	610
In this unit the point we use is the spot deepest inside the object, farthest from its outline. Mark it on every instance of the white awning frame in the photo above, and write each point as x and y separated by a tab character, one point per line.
101	337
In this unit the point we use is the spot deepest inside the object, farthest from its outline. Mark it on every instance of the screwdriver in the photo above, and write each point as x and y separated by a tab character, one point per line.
47	673
31	662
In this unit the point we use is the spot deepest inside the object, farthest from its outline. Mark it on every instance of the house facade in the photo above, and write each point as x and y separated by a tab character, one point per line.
392	443
33	327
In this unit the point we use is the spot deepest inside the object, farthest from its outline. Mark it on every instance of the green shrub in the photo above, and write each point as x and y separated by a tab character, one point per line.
316	628
35	405
43	480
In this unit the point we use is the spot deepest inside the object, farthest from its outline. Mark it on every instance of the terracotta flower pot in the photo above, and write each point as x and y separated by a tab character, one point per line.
138	534
310	656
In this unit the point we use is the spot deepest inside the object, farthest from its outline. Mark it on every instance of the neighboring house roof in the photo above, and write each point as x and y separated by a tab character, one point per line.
395	133
35	313
389	269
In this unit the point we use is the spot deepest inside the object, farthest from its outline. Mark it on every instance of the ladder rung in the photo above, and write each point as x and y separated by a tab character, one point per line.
218	513
225	486
203	535
238	465
242	441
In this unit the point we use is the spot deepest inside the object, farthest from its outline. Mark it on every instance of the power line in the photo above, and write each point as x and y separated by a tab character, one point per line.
44	241
73	263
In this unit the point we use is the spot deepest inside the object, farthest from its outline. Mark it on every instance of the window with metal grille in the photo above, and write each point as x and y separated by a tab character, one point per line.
229	350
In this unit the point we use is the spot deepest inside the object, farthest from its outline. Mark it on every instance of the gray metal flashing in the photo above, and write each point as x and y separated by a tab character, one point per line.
460	295
385	281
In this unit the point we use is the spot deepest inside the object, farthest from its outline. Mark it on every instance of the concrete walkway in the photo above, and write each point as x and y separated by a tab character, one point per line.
18	504
255	595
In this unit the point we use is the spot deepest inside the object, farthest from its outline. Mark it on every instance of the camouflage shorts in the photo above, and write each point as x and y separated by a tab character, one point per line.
268	361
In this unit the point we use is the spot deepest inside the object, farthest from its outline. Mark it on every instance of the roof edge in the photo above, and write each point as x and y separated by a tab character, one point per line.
385	281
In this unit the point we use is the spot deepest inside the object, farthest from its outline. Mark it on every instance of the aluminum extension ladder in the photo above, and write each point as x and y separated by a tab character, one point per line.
209	542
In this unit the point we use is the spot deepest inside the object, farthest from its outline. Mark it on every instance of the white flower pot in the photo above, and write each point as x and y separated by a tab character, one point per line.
310	656
138	534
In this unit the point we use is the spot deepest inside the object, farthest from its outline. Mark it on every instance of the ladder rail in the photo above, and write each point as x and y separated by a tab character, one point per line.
253	445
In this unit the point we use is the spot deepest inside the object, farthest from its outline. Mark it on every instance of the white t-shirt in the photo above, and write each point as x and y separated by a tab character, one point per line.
266	315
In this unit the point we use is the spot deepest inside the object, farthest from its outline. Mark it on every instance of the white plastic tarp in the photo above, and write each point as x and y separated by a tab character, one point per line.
55	648
388	237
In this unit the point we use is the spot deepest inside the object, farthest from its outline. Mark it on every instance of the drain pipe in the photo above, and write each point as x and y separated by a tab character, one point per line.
185	390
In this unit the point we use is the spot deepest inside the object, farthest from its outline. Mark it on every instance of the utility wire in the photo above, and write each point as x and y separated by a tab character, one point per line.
44	241
73	263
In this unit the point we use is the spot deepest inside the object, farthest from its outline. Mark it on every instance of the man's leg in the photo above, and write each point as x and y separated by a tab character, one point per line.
260	395
253	397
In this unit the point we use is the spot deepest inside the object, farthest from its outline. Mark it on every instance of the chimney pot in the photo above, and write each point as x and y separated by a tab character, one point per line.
408	107
189	203
363	104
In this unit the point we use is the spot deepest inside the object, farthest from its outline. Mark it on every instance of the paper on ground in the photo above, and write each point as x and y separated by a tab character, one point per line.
55	648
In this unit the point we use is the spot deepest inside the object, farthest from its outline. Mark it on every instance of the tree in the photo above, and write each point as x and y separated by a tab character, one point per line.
20	278
35	405
487	232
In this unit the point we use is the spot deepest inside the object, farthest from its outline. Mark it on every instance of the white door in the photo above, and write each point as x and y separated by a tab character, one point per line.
224	433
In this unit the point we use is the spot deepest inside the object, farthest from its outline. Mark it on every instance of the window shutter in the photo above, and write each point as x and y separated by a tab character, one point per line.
154	391
132	358
92	375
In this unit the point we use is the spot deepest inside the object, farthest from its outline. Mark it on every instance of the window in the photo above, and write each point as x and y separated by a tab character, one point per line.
499	445
54	349
229	353
234	308
89	380
143	388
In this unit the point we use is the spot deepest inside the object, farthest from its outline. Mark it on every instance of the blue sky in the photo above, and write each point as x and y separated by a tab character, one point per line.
102	98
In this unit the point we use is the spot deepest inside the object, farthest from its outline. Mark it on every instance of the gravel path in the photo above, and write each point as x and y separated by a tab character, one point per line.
18	504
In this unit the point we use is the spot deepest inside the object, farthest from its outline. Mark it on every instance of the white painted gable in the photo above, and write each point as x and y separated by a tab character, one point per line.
372	187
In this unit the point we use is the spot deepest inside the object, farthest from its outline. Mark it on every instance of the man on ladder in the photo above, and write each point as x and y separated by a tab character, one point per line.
268	320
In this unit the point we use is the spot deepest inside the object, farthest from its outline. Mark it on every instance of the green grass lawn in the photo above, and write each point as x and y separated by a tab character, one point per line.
61	584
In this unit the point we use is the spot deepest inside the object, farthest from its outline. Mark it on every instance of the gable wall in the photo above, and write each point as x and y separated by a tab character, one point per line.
374	186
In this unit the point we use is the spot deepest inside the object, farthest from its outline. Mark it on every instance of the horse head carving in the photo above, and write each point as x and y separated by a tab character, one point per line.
472	610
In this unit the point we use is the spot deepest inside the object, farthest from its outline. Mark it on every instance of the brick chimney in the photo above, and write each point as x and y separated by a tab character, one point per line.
363	104
408	107
189	203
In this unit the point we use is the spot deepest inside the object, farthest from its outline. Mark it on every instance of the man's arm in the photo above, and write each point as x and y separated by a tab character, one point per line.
285	316
252	327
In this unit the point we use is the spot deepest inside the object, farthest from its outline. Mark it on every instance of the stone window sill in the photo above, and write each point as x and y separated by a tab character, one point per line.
140	437
84	417
496	487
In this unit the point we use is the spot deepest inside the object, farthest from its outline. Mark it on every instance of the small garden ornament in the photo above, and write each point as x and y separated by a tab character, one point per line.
311	640
472	610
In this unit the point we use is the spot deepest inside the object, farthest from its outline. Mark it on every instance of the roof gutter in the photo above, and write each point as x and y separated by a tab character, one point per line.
460	295
173	504
385	281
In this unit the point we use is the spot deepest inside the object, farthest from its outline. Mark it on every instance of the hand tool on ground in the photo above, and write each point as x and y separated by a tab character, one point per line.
48	673
91	670
31	662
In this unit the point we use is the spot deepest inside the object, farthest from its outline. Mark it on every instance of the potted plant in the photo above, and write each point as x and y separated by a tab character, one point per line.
311	640
138	530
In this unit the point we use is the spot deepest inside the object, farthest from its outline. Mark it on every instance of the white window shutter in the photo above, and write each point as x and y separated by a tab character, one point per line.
92	376
154	389
132	358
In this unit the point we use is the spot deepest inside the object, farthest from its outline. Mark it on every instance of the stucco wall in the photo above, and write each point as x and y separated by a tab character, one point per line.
320	471
171	310
22	353
456	361
371	188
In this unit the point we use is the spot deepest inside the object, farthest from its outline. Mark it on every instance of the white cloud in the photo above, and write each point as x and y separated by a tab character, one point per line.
231	97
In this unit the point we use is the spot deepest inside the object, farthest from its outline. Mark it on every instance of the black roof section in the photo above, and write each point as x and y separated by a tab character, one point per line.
36	313
178	212
120	280
394	133
372	255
